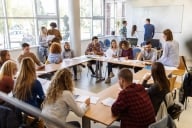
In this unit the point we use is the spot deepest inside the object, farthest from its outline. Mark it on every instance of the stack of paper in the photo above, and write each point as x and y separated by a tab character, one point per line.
108	101
81	98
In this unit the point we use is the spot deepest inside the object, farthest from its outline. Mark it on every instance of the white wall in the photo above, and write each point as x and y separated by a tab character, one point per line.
186	23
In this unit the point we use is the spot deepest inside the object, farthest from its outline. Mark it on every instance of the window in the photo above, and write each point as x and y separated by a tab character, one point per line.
85	8
14	7
86	28
46	7
21	31
97	7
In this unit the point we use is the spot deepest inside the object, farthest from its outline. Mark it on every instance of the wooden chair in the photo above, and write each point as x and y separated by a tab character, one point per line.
181	67
172	86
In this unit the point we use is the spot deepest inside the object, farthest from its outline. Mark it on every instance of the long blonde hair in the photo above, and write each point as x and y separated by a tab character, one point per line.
8	69
62	80
25	79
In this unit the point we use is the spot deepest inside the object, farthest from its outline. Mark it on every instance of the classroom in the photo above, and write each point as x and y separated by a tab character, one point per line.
87	46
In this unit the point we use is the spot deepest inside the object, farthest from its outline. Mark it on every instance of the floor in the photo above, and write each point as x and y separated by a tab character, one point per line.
88	83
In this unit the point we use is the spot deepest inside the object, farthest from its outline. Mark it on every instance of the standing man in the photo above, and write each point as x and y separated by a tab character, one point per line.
123	30
149	30
133	105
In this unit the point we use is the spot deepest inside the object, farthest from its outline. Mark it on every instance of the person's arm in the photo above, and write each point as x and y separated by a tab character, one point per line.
165	52
87	49
39	91
72	54
120	104
19	58
35	59
70	101
153	33
140	55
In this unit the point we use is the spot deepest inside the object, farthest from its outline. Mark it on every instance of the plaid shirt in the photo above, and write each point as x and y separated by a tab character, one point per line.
134	107
94	48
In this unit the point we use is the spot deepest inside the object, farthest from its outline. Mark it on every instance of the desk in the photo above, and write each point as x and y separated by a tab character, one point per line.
102	114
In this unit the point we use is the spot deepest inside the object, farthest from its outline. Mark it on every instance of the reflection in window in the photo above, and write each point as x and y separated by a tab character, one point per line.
97	27
85	8
86	25
97	7
19	8
46	7
20	31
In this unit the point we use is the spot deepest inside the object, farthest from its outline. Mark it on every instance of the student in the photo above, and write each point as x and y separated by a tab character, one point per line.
26	53
55	32
123	30
7	73
170	55
133	105
148	53
60	100
43	48
55	53
160	87
134	33
149	30
112	52
4	56
93	48
68	53
27	87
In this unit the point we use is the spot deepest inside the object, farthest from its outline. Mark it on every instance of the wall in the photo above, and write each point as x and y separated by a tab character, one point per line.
187	19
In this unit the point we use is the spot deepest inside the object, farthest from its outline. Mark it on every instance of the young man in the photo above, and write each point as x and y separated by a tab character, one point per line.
123	30
26	53
133	105
148	53
93	48
149	30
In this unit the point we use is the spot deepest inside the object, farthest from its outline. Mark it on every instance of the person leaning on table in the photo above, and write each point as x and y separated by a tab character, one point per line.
133	105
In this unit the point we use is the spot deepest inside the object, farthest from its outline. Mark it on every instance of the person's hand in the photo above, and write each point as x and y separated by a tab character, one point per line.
87	101
147	76
40	67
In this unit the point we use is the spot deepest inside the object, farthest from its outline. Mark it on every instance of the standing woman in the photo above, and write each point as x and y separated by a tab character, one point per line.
112	52
134	32
60	100
43	48
4	56
170	55
27	87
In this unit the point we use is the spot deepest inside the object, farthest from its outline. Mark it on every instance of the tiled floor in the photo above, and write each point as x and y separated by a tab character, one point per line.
86	82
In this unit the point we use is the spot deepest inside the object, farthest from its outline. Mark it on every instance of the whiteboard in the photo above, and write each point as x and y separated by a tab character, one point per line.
162	17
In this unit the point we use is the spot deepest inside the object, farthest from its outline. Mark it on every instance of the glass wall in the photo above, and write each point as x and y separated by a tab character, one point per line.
21	20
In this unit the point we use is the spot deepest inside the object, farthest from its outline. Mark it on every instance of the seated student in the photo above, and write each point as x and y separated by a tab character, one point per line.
55	53
60	100
160	87
7	73
4	56
125	51
93	48
148	54
111	52
133	105
27	87
68	53
26	53
170	55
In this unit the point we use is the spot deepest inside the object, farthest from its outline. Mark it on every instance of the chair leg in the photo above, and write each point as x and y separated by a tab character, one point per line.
185	103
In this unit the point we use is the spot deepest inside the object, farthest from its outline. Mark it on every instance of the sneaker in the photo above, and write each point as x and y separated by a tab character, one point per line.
108	80
111	75
93	75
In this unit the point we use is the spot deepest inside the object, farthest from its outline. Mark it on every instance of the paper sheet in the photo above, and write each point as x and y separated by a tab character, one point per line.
108	101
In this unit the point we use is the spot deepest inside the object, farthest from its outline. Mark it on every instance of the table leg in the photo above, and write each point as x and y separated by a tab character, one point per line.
99	72
86	123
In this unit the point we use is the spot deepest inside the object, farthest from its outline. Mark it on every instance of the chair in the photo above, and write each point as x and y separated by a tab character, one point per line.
136	51
166	122
107	43
104	48
132	41
181	67
156	44
172	85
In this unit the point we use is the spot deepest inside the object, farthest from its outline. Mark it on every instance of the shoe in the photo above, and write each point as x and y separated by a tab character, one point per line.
93	75
75	79
108	80
111	75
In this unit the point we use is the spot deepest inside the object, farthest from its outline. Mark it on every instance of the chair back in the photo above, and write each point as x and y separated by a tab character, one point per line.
182	63
136	51
107	43
172	82
132	41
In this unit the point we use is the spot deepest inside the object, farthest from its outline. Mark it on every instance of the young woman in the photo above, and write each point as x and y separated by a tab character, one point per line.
60	100
112	52
170	55
4	56
55	53
68	53
134	32
160	87
27	87
7	73
43	42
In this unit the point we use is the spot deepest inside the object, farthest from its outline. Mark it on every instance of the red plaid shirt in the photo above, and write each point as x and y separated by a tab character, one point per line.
134	107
